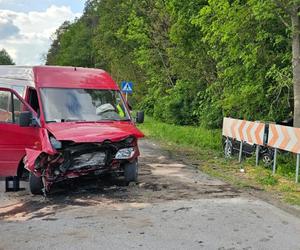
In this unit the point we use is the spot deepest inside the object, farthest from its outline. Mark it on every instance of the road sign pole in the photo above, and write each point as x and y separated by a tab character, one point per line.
297	167
274	162
126	96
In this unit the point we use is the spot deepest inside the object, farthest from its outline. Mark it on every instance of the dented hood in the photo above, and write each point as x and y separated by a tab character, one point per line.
93	132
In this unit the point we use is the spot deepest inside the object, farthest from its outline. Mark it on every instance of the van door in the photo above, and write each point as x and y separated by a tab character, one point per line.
13	138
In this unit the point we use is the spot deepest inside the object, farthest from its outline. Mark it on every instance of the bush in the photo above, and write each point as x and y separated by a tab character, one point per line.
179	106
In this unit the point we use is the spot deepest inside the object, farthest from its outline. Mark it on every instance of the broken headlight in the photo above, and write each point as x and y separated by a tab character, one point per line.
125	153
55	143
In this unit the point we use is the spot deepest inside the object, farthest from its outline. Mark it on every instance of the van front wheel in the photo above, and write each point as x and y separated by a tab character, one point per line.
35	184
131	172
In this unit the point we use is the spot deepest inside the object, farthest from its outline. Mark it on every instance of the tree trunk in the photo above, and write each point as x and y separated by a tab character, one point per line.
296	63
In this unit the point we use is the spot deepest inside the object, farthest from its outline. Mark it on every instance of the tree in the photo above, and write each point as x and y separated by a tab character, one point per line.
248	42
294	12
54	51
114	52
288	12
5	58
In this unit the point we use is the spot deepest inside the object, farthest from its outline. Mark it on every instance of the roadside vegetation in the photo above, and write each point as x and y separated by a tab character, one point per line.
203	148
192	62
183	135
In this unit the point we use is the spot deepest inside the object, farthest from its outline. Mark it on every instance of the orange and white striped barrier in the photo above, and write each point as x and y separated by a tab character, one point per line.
245	131
285	138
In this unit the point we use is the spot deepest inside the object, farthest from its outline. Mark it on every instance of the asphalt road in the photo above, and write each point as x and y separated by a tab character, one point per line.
174	206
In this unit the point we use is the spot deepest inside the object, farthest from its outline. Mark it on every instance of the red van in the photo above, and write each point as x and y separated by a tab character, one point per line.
64	122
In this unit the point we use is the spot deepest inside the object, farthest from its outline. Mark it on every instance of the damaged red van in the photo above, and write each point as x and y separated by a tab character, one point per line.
64	122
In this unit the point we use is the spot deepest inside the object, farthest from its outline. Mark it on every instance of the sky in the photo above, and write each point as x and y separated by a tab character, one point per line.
27	25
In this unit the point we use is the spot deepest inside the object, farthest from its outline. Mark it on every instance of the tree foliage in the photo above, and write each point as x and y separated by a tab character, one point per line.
5	58
192	62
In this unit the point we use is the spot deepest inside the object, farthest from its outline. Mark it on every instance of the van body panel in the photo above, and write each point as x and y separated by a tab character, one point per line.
69	77
13	141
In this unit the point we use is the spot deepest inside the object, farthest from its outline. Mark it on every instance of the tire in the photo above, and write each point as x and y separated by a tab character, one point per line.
267	159
131	172
228	150
35	184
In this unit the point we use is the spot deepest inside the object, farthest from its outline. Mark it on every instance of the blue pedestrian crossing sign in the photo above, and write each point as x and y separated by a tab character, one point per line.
127	87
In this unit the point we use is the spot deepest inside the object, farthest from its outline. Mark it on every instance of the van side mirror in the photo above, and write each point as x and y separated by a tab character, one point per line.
25	119
140	117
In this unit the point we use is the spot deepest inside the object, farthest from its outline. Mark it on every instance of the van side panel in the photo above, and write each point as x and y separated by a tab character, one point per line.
13	142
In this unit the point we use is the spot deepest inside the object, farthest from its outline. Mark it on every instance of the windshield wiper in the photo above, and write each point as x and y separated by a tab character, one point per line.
85	121
72	120
114	120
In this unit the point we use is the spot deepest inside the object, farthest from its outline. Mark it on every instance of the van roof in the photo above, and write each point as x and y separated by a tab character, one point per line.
58	77
14	75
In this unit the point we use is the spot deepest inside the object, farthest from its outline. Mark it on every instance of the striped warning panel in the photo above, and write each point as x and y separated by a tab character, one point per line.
251	132
285	138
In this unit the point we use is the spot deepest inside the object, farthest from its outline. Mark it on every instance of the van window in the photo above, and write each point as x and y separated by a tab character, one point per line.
18	108
10	107
5	107
66	105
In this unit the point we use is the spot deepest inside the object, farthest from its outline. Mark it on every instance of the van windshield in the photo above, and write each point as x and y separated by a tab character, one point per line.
67	105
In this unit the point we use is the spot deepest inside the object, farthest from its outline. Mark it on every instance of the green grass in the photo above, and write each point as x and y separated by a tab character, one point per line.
203	146
183	135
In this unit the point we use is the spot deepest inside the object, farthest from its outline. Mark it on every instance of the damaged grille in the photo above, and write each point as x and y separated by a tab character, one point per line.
84	156
89	159
75	159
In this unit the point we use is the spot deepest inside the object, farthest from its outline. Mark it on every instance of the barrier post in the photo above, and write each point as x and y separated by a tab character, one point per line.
274	162
257	154
297	167
227	145
241	152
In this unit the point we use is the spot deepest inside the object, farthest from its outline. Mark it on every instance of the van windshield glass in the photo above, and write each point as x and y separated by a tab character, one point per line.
67	105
